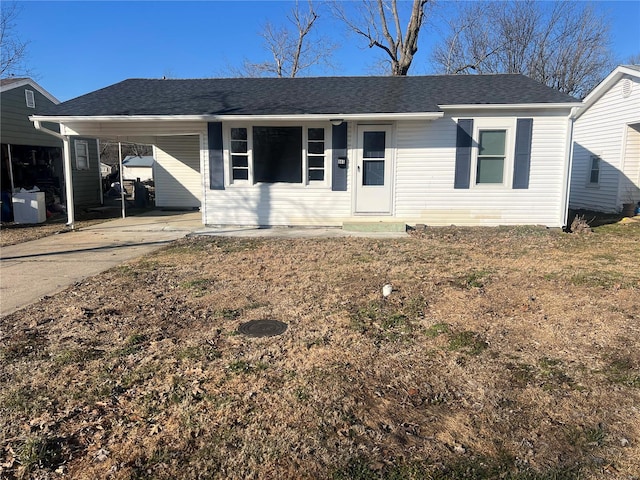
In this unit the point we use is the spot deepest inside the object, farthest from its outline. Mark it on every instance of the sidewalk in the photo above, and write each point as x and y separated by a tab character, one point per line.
42	267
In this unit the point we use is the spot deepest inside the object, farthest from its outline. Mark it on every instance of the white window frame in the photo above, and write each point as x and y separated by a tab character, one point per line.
30	98
590	170
248	155
84	143
306	183
483	124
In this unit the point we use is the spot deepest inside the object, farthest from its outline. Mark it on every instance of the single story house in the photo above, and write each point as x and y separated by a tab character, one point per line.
105	170
134	167
438	150
606	144
31	158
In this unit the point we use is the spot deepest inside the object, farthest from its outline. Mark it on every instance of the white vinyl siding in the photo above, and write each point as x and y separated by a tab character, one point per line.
425	166
423	184
277	204
176	171
601	132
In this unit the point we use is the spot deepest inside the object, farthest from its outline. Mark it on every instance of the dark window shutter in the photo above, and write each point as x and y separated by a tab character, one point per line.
216	157
463	153
522	160
339	148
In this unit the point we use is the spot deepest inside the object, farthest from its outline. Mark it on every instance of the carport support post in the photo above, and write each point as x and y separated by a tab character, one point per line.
124	215
68	181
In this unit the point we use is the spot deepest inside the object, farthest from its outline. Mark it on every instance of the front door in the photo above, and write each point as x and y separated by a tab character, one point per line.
373	169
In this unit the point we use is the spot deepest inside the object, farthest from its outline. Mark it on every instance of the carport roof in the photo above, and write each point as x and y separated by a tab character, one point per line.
302	96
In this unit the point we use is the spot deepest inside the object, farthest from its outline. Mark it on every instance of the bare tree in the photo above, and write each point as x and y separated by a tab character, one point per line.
633	59
12	49
294	48
109	151
564	45
379	23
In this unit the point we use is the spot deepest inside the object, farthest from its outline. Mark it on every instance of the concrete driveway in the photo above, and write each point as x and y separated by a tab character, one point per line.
32	270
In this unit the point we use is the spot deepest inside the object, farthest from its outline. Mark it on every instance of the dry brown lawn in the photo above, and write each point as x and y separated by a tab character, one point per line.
501	353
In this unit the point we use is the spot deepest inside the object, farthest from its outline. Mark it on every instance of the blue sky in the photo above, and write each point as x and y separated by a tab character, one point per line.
80	46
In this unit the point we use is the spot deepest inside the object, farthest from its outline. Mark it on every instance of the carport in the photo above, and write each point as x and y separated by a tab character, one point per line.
177	148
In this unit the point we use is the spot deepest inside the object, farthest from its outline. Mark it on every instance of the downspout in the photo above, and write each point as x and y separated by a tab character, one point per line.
13	187
68	181
567	180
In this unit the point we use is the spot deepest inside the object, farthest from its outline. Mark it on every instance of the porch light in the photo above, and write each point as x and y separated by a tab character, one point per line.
336	121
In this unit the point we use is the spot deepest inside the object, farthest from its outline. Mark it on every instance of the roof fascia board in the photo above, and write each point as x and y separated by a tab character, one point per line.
512	106
28	81
604	86
312	117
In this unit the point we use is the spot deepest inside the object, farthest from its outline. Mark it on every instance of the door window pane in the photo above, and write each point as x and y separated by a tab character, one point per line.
373	171
373	145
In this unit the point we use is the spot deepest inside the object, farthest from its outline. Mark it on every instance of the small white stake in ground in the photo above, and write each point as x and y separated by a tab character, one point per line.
386	290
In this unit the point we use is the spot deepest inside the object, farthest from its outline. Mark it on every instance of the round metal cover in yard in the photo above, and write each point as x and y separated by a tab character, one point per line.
262	328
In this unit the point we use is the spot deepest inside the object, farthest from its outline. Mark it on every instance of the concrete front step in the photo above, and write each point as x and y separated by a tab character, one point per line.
363	226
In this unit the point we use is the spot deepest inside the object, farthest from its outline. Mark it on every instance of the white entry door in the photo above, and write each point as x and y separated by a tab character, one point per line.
373	170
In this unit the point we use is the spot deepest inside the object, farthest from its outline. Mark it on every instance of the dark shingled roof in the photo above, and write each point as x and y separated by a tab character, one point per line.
318	95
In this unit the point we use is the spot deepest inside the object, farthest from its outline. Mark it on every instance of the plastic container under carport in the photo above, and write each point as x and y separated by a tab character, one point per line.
29	207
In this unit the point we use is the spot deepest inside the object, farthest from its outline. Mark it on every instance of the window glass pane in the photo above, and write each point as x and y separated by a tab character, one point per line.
238	146
240	160
240	174
317	162
238	134
594	176
316	175
373	144
316	147
492	142
81	149
490	170
316	134
373	173
277	154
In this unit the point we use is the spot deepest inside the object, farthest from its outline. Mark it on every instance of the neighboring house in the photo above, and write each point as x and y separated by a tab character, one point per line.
33	158
105	170
137	167
438	150
606	144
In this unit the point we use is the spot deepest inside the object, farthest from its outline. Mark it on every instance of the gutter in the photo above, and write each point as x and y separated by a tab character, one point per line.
511	106
207	118
68	181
